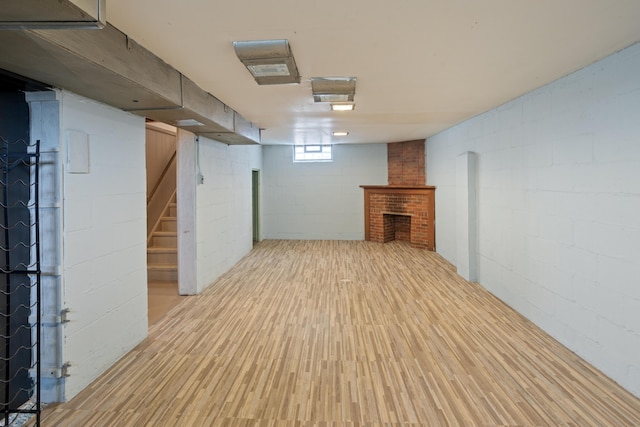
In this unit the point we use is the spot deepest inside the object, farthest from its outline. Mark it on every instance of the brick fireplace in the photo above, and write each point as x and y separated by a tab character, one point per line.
404	209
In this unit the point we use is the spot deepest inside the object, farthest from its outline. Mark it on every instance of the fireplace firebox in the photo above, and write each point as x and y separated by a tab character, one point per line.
400	212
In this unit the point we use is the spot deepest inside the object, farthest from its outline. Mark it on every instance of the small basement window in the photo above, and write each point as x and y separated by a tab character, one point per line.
312	153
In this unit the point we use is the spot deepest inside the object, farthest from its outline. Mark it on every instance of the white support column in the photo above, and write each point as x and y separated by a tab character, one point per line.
466	216
44	110
186	201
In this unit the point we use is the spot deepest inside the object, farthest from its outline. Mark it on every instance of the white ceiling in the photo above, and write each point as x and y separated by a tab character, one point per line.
422	65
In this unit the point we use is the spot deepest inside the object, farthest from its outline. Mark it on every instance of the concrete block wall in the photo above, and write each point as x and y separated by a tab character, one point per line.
224	206
558	199
104	239
319	201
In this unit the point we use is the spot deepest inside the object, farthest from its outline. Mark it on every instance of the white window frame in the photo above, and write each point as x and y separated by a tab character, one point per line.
313	153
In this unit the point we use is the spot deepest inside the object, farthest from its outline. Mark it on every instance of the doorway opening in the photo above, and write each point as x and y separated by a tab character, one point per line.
255	205
162	213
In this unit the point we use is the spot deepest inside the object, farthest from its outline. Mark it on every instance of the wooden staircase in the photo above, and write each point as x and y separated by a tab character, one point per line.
162	247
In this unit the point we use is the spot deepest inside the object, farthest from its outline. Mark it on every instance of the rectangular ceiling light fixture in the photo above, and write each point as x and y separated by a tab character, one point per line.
269	61
333	89
342	107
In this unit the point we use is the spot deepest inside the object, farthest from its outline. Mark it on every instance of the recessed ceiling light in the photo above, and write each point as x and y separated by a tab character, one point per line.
340	133
342	107
269	61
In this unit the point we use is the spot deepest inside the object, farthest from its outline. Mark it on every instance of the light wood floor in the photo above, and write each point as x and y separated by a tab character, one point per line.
328	333
162	297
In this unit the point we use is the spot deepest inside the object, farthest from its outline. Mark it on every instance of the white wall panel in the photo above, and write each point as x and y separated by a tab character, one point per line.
223	212
559	203
322	200
104	240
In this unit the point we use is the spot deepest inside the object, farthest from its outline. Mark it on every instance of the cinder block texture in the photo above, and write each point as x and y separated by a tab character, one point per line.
558	198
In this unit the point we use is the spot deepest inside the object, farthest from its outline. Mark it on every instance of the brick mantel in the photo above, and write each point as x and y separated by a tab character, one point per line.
382	203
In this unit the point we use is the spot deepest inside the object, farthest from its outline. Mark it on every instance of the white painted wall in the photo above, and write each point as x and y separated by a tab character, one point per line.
559	208
223	212
322	200
104	240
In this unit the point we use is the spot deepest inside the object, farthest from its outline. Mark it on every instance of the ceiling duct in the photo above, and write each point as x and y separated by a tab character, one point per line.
205	115
104	65
41	14
109	67
198	111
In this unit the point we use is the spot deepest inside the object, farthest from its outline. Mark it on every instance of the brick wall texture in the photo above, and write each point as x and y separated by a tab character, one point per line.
406	163
396	214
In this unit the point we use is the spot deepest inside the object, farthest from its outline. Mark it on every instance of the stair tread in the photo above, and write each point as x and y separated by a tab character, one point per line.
164	233
168	267
162	249
162	253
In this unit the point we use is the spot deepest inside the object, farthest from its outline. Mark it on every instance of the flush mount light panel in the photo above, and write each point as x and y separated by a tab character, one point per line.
333	89
343	107
340	133
269	61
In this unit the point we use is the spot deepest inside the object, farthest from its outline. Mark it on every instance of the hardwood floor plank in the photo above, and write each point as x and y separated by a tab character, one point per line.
162	297
341	333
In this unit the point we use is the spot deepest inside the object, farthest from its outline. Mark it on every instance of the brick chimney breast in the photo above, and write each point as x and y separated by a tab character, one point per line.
406	163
